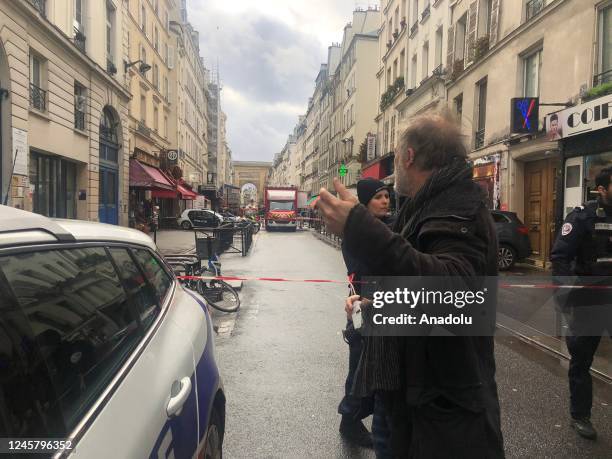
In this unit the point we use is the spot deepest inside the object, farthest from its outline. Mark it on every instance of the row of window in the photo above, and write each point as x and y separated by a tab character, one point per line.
72	318
156	117
398	68
38	95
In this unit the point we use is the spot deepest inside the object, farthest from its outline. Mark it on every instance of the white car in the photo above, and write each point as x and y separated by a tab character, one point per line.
100	344
200	218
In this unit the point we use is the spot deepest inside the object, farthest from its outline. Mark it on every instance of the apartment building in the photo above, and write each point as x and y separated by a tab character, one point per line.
285	167
299	166
359	56
188	80
149	65
63	102
332	113
336	144
557	51
215	138
412	46
311	124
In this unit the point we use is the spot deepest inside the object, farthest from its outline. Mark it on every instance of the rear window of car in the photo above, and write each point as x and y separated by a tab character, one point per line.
68	323
500	218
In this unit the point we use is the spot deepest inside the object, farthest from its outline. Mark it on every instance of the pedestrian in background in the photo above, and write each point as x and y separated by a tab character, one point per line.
373	194
583	248
439	391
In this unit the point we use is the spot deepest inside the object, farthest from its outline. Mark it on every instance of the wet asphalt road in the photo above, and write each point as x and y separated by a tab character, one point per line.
283	362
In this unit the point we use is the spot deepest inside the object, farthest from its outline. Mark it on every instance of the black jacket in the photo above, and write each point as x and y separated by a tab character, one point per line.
452	235
354	266
577	253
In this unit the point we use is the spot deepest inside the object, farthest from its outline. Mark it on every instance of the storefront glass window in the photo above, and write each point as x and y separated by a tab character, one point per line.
54	186
594	164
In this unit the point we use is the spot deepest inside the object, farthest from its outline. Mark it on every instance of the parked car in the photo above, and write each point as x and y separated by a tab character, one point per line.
200	218
230	217
513	237
102	345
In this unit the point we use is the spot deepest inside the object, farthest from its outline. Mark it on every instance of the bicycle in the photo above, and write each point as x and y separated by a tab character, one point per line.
218	293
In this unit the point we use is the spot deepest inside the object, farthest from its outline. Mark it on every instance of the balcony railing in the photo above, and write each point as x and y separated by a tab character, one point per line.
532	8
40	5
479	138
79	39
602	78
426	12
38	98
414	28
79	120
143	129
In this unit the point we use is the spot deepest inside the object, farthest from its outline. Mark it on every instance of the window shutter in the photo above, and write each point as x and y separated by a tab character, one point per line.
471	32
170	57
450	49
495	7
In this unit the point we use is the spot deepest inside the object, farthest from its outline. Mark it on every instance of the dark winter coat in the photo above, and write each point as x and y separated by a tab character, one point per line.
354	266
446	230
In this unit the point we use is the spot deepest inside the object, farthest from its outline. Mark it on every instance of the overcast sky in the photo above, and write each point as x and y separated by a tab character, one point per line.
269	54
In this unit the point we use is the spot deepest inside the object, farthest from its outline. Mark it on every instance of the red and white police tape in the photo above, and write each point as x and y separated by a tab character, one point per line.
351	281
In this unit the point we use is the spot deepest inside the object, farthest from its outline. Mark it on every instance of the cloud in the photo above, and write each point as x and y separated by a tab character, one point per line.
269	53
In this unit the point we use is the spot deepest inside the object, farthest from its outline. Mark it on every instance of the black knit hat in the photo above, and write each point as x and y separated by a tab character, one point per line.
367	189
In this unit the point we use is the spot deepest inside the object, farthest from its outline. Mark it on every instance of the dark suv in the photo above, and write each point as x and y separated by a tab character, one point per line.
513	237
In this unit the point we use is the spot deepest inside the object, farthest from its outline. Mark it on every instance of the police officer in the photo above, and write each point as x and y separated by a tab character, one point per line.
582	255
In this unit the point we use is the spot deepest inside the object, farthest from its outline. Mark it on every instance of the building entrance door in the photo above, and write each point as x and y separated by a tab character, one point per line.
107	210
540	186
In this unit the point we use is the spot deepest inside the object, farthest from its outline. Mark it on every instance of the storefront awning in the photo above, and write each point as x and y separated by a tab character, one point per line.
374	171
186	193
143	176
164	194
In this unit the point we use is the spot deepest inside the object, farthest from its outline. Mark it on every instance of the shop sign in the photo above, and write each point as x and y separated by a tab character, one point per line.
371	147
20	152
581	119
172	156
524	115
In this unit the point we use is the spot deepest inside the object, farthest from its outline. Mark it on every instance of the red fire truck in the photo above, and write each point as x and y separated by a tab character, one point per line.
281	207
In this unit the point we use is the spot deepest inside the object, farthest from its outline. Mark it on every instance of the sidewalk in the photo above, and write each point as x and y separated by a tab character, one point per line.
183	242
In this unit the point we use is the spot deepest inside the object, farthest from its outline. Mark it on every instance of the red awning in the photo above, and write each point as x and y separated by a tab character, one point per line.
164	194
186	193
143	176
374	171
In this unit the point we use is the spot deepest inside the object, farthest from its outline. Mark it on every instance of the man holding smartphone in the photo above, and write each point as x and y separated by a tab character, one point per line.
439	392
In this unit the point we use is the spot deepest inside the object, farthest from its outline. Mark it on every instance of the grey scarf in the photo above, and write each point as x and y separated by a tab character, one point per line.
439	181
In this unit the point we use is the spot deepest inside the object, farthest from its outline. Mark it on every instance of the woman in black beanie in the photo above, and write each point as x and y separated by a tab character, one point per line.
373	194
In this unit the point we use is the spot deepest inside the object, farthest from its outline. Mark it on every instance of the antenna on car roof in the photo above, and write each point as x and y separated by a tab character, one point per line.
8	188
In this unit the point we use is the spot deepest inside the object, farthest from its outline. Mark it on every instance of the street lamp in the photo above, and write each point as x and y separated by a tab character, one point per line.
142	68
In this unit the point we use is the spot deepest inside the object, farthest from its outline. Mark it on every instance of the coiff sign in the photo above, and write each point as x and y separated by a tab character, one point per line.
581	119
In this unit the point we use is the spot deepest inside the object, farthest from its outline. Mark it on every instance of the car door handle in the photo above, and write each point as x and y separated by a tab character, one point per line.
177	401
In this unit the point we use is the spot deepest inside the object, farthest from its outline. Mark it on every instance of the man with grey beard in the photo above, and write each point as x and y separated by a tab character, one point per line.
439	393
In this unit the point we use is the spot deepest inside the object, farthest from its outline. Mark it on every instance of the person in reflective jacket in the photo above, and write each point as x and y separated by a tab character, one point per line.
582	254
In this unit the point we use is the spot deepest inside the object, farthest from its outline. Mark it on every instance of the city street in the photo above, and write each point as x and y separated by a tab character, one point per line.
283	361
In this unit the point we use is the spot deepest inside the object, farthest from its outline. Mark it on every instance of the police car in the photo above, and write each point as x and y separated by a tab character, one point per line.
100	346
